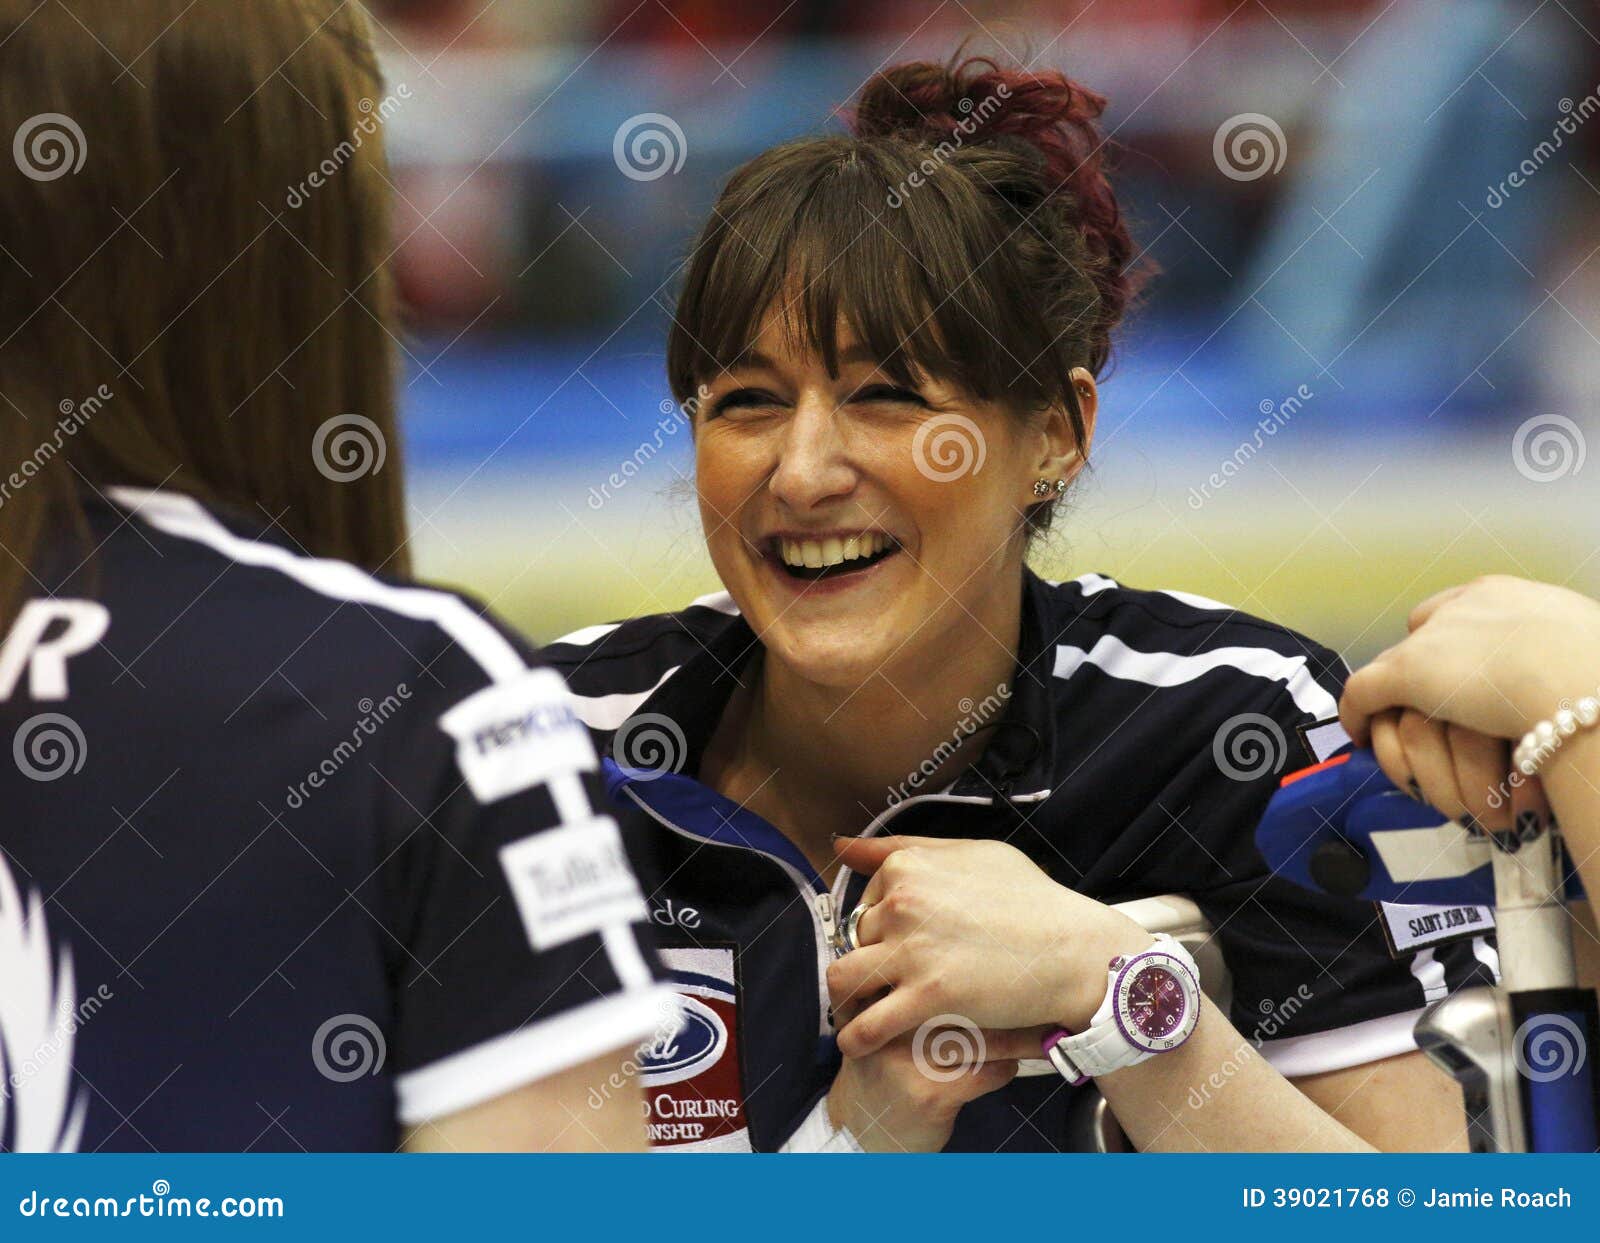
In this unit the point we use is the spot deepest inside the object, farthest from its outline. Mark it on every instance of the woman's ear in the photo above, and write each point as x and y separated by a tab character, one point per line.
1062	455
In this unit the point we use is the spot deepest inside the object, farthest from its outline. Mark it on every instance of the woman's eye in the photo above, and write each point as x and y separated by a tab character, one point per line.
888	392
743	399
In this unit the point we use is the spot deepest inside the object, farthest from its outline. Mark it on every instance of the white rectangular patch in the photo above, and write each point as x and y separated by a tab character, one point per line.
1412	927
572	881
515	734
1323	738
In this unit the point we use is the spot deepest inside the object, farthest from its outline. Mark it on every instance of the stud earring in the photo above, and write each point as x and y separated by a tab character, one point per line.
1043	488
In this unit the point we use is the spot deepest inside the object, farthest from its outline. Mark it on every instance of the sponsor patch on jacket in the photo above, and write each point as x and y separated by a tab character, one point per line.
693	1087
572	881
1409	928
515	734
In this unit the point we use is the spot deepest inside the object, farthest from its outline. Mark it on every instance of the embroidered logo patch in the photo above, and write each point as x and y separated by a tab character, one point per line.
693	1086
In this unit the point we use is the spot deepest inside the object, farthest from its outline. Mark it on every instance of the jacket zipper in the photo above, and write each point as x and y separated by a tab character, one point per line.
812	892
830	930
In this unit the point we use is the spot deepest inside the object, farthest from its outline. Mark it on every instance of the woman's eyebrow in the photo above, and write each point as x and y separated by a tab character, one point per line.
750	360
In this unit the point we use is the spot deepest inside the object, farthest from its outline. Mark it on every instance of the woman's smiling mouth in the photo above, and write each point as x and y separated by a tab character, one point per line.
807	559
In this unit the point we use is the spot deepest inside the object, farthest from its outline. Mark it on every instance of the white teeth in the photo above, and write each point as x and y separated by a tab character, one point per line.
815	554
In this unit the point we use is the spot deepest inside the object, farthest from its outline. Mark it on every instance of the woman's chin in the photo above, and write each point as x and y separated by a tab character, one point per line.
843	653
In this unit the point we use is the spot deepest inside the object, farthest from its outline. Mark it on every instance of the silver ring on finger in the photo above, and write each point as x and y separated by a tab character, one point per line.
852	923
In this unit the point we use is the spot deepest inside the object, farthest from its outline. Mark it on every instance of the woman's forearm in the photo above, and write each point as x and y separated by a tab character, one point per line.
1216	1093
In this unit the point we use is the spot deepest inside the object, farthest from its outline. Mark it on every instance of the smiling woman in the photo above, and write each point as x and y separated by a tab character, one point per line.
895	337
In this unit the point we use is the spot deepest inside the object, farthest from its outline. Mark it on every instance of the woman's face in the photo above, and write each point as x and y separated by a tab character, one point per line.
861	526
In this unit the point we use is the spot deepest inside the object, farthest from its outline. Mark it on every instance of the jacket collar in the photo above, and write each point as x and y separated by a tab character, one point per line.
1016	763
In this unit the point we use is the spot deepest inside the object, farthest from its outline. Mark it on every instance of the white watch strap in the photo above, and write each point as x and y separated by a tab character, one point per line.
1102	1049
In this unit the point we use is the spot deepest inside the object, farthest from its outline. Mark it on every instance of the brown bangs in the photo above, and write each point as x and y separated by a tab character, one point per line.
881	236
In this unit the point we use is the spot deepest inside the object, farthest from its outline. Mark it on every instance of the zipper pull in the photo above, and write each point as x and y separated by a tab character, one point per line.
829	928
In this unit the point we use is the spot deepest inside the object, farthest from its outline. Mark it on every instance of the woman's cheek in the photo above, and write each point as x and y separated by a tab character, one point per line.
724	481
961	526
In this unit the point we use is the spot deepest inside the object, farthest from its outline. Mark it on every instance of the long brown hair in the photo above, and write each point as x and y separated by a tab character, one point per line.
193	227
965	227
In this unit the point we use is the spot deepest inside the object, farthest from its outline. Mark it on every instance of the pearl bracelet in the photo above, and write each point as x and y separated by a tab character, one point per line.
1540	742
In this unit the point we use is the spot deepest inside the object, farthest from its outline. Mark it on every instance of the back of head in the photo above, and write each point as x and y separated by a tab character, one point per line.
193	228
964	227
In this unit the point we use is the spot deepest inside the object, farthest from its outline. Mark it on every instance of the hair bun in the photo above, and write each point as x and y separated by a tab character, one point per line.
977	100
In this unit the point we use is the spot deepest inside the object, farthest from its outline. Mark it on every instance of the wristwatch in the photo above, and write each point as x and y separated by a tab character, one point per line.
1151	1005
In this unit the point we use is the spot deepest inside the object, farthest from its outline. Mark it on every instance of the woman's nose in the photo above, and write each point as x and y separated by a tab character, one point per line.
813	464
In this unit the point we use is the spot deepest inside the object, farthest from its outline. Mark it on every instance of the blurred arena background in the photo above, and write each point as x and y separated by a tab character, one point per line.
1369	370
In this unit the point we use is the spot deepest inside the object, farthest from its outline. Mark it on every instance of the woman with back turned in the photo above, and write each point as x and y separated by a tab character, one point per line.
292	848
890	342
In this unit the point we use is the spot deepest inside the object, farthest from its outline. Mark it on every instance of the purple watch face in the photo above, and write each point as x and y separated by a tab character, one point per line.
1156	1002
